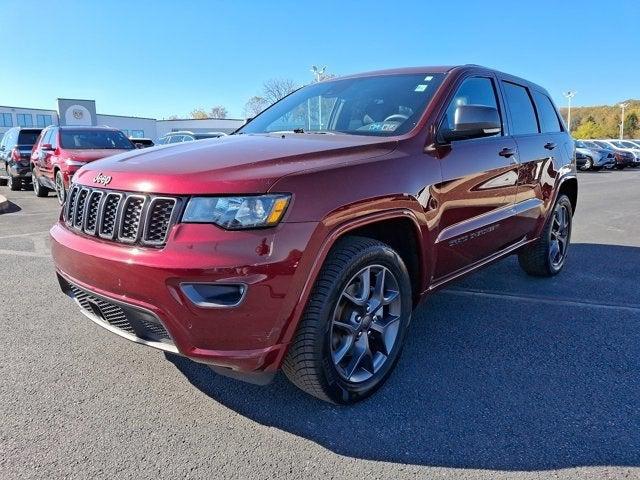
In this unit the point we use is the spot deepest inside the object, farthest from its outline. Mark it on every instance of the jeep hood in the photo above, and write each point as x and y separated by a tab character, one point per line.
228	165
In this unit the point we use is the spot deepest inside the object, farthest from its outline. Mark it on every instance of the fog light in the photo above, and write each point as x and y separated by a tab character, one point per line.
214	295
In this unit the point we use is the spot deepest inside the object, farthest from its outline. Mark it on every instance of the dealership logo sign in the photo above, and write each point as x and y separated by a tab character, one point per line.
102	179
78	114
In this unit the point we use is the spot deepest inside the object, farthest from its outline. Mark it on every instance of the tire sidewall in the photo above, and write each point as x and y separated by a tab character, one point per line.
60	195
588	164
564	201
36	184
340	389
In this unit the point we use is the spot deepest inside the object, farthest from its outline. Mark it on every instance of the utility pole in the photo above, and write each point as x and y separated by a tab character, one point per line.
569	95
318	72
622	106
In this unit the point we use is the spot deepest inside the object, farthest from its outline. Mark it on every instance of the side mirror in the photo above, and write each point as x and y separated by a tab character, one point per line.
473	121
47	147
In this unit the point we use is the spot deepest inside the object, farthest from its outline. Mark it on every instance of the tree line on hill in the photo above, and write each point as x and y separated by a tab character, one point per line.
272	90
604	121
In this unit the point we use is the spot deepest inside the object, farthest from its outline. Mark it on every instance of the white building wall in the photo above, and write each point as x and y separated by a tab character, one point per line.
31	113
226	125
132	126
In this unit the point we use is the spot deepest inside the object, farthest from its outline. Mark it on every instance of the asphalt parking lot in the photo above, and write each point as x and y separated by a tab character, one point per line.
503	376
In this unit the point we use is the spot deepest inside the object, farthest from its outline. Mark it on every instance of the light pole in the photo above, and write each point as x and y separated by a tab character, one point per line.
570	94
318	72
622	106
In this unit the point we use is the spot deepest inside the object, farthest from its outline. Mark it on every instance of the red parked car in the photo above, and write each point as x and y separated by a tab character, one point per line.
305	240
61	151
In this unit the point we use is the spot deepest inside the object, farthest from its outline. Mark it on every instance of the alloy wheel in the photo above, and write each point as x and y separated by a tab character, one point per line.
60	191
560	231
365	323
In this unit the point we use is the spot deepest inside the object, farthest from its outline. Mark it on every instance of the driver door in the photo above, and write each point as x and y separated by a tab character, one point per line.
478	191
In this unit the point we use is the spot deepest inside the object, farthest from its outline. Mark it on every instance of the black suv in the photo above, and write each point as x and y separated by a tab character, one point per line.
15	152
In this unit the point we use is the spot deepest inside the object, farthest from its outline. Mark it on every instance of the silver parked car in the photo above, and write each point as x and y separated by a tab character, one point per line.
591	157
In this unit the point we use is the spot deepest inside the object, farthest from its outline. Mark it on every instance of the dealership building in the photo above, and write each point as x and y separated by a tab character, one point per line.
83	113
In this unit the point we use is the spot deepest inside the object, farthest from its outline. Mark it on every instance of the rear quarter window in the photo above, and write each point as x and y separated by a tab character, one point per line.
523	115
549	122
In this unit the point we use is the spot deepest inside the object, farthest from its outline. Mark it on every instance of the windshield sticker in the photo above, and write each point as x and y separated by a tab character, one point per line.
429	78
421	88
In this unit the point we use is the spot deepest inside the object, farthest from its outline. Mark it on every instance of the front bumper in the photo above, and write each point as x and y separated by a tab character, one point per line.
250	337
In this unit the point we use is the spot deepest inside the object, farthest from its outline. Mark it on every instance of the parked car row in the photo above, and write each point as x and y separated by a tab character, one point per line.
599	154
47	158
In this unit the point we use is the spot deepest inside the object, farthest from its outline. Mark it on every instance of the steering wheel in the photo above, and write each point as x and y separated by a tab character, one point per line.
396	117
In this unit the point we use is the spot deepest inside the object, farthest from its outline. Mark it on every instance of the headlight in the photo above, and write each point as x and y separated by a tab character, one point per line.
236	213
74	163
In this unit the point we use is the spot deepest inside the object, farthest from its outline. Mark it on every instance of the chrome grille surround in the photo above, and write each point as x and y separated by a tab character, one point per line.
130	218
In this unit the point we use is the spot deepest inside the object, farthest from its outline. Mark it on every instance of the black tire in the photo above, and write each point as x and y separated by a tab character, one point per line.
14	183
38	189
620	167
4	181
61	193
309	363
536	258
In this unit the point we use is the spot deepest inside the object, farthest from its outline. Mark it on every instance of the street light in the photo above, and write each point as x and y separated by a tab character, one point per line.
569	95
622	106
318	72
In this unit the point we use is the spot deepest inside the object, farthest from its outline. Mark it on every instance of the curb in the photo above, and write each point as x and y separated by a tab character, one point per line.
4	203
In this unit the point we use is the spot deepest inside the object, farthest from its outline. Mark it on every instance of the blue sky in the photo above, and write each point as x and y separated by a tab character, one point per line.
159	58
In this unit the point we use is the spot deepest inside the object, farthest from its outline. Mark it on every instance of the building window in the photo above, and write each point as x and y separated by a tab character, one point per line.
24	119
137	133
125	131
6	120
43	120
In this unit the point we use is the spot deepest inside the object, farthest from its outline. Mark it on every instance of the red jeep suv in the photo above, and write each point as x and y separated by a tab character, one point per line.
61	151
305	240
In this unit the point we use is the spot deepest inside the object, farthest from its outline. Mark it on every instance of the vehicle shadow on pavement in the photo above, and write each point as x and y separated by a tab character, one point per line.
500	371
10	208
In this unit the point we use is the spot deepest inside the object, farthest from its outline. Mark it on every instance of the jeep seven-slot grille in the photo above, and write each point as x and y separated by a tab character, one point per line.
119	216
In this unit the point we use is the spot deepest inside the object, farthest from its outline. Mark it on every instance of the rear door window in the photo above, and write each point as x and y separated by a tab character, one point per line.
523	115
549	122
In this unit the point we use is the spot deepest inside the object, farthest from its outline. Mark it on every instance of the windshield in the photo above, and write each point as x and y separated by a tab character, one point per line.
603	145
381	106
581	145
629	144
619	144
94	139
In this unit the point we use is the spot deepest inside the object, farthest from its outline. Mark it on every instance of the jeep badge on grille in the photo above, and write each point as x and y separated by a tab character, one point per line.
102	179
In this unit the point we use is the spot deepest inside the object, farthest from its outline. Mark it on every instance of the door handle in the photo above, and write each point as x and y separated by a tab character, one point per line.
550	146
506	152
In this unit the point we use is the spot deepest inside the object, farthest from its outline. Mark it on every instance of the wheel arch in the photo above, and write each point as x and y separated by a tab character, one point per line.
370	226
569	187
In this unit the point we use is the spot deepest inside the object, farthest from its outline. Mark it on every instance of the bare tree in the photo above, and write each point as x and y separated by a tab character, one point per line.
276	88
254	106
198	114
218	112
